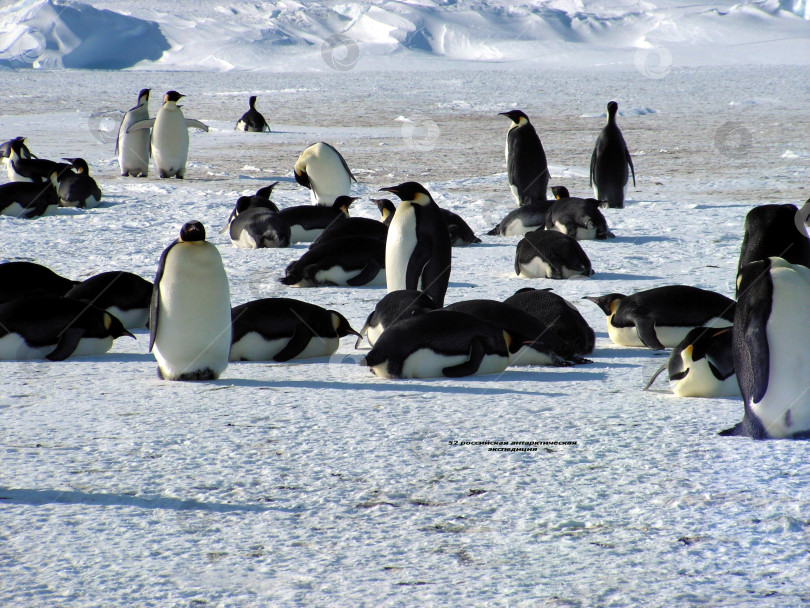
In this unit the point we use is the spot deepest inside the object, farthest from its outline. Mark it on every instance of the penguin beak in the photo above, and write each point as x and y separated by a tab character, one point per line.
593	299
130	334
392	190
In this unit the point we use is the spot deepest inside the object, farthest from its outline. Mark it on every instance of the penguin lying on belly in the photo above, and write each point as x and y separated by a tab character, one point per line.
348	262
661	317
392	308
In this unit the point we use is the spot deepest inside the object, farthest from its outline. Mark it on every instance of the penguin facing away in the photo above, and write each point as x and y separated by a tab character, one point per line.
281	329
259	228
702	365
610	161
252	121
132	149
353	226
20	279
552	255
417	250
259	200
27	200
307	222
439	343
348	262
392	308
323	170
124	295
771	353
190	311
526	165
169	136
55	328
76	189
772	231
461	235
661	317
577	217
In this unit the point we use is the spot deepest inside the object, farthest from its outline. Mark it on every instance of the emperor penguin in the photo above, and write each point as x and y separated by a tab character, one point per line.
169	136
323	170
27	200
190	311
610	161
417	248
526	165
76	189
771	348
252	121
132	149
124	295
19	279
23	168
661	317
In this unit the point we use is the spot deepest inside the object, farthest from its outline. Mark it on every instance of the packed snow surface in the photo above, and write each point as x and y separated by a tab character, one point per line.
314	483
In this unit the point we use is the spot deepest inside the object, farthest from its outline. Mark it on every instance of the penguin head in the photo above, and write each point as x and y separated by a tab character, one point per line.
412	192
267	190
612	108
343	203
17	145
79	164
192	232
608	303
386	207
143	96
341	325
516	116
560	192
172	96
252	101
113	325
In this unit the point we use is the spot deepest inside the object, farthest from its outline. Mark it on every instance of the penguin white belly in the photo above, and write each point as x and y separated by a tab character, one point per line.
194	319
89	347
701	382
170	142
517	228
14	210
91	202
672	336
530	356
320	347
134	318
374	332
567	273
302	235
13	176
245	241
241	125
14	348
787	398
536	268
623	336
583	234
399	246
339	276
133	148
254	347
515	193
328	178
426	363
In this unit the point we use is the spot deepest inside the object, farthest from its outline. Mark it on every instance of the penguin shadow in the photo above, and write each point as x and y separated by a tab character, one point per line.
623	276
641	240
36	497
272	178
455	284
117	357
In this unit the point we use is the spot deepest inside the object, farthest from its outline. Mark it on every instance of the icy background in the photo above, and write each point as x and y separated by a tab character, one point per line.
316	484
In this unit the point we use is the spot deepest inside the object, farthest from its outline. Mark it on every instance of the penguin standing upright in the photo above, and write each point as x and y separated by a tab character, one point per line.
609	162
132	149
417	250
252	121
323	170
190	312
771	348
526	165
169	136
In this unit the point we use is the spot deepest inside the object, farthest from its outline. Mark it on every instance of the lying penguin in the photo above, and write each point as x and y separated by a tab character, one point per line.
551	255
392	308
347	262
576	217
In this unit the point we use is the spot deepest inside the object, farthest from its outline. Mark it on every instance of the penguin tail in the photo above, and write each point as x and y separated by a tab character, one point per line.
494	231
289	280
476	240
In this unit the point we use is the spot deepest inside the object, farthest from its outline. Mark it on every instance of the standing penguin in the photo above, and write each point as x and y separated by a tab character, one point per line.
609	162
132	149
526	166
169	136
417	250
190	313
252	121
323	170
771	347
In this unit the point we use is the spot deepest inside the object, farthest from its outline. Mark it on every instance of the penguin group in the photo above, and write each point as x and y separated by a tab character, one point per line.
750	346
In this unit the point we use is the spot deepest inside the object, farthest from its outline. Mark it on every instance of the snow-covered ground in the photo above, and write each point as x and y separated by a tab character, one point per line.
317	484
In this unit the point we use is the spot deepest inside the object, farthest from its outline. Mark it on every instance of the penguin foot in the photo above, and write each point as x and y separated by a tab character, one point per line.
198	375
163	175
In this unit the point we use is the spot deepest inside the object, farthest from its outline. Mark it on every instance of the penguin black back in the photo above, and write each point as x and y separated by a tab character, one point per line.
19	279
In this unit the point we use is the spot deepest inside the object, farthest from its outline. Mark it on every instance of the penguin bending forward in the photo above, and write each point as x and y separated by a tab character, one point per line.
771	346
323	170
417	250
190	312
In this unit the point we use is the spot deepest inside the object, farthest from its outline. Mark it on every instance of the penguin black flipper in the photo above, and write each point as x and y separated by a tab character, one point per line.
68	342
753	360
192	123
416	265
645	327
142	124
469	367
371	269
630	162
342	160
721	360
298	342
593	166
154	304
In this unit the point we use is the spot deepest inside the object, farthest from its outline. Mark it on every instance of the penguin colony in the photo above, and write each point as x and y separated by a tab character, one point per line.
753	347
